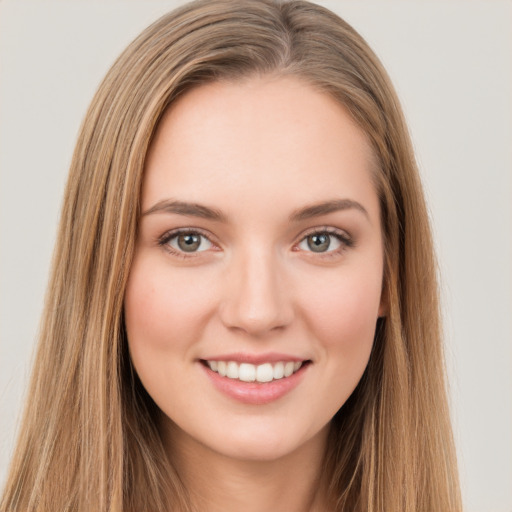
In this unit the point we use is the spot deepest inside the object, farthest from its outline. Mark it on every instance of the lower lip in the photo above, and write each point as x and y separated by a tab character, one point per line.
255	393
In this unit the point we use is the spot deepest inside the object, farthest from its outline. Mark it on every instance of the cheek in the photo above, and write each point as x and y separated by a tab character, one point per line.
343	312
342	318
163	310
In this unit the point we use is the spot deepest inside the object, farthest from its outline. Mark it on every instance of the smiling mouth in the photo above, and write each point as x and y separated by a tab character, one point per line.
262	373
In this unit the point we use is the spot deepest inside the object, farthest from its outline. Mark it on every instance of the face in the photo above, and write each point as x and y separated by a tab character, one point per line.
256	285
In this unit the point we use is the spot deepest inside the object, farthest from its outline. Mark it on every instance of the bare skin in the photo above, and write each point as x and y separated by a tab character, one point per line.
259	252
223	484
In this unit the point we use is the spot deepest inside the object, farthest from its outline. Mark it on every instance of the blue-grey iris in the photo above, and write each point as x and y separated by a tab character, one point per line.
319	242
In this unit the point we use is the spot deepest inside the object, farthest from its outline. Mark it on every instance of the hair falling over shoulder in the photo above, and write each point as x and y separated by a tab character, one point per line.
88	438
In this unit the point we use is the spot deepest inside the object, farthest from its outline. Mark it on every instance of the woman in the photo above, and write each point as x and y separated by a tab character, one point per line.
243	306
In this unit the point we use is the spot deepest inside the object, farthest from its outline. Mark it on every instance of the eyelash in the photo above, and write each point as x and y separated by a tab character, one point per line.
343	237
345	240
164	240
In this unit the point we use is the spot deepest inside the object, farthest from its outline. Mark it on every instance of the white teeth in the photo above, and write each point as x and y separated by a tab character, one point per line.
264	373
279	370
247	372
221	368
288	369
232	370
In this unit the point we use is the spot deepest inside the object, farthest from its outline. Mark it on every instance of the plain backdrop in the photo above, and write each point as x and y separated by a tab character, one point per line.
451	62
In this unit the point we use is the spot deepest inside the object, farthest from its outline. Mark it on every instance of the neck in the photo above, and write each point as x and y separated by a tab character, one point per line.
215	482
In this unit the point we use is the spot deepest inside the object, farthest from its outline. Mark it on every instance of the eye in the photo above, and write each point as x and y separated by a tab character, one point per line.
324	242
187	242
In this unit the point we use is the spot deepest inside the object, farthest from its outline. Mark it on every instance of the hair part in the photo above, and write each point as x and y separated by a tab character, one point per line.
89	438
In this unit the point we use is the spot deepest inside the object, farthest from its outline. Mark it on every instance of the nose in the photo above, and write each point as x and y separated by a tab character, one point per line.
257	300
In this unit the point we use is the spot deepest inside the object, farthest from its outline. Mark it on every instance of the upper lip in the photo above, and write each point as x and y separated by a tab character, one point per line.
270	357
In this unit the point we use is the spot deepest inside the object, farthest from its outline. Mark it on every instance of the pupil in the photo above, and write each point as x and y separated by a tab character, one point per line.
319	243
189	243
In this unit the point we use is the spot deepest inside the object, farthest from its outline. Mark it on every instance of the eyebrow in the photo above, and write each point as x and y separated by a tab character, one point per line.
326	207
205	212
183	208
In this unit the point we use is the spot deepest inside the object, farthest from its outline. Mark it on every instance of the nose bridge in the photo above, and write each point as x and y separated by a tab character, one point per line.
256	299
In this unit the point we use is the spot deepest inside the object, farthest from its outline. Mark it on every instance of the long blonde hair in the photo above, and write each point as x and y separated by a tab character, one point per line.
88	439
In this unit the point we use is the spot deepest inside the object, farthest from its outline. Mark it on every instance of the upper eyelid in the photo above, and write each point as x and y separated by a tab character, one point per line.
331	230
179	231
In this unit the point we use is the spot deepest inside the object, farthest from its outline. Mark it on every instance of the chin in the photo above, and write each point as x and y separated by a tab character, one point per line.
265	444
259	450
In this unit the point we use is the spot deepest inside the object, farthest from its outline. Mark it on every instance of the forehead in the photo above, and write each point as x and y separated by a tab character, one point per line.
265	139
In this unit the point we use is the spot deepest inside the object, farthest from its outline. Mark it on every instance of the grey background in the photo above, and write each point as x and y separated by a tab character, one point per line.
451	62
